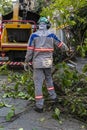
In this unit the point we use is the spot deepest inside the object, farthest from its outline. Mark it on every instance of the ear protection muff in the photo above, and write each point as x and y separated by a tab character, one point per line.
48	25
37	26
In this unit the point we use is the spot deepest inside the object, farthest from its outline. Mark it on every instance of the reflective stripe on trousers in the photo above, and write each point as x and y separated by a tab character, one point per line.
39	75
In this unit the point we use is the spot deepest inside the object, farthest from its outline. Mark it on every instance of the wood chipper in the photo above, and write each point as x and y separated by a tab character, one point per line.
15	29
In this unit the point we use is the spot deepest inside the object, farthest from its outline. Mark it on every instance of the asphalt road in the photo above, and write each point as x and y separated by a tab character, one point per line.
31	120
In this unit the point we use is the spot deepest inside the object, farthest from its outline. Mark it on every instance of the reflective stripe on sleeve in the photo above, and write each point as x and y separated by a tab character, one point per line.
38	97
50	88
60	44
44	49
30	48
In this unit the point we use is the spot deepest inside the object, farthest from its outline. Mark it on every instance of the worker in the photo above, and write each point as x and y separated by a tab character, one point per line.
40	51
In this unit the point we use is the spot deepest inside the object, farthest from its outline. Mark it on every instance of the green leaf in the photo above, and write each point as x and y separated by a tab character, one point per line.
1	128
10	114
56	113
42	119
16	86
2	104
20	129
7	105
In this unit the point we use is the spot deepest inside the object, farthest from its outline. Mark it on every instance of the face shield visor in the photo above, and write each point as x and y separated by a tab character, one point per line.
42	26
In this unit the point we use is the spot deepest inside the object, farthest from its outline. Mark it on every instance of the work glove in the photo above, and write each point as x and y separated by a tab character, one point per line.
64	47
26	66
69	52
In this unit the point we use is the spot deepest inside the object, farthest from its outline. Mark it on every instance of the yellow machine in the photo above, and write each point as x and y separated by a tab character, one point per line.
15	33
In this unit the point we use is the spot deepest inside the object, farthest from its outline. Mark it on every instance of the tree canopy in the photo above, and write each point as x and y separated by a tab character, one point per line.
63	9
5	6
72	13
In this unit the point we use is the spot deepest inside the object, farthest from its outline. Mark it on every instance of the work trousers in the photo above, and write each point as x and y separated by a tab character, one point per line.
39	75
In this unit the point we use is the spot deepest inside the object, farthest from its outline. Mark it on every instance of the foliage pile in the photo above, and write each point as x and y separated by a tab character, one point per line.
71	87
17	84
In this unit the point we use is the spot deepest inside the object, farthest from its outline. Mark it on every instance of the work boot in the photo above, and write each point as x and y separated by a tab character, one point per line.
55	100
39	110
53	103
50	100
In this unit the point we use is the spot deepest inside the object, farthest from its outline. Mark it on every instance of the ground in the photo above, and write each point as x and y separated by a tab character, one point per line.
27	119
31	120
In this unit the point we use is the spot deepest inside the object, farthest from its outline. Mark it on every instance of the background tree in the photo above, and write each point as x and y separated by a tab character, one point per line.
40	4
5	6
79	30
74	14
